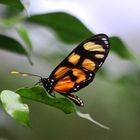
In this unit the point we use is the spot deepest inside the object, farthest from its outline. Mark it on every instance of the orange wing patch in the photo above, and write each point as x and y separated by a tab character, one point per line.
79	74
64	85
61	71
74	58
91	46
88	64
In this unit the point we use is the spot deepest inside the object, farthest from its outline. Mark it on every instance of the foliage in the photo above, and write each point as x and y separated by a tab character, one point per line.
13	105
73	32
39	94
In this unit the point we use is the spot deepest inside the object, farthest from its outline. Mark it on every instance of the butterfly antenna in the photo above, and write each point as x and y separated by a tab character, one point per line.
25	74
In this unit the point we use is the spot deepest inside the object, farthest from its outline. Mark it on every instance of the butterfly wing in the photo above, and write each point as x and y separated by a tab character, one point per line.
78	69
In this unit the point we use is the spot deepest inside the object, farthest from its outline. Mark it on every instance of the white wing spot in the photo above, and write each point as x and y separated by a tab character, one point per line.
103	39
100	64
78	86
106	42
52	80
89	78
90	74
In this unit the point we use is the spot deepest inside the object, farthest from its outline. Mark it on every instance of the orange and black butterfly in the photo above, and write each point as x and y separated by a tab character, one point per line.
78	69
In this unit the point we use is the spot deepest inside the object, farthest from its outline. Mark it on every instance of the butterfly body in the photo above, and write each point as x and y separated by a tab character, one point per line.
78	69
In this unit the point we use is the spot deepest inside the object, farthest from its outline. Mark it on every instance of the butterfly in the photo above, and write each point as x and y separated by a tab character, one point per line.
78	69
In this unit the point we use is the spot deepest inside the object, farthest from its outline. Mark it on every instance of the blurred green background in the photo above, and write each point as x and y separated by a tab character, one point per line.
112	99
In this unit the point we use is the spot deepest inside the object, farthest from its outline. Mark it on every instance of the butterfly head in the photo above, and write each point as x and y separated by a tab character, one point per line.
47	84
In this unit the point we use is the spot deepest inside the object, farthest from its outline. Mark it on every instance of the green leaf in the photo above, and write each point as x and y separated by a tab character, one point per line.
13	105
10	22
25	36
13	3
40	95
68	28
12	45
118	47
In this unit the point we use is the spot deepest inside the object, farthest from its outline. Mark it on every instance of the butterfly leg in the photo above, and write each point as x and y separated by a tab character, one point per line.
75	99
52	94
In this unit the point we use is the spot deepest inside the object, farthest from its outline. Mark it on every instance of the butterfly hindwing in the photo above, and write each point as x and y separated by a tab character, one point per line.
72	79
